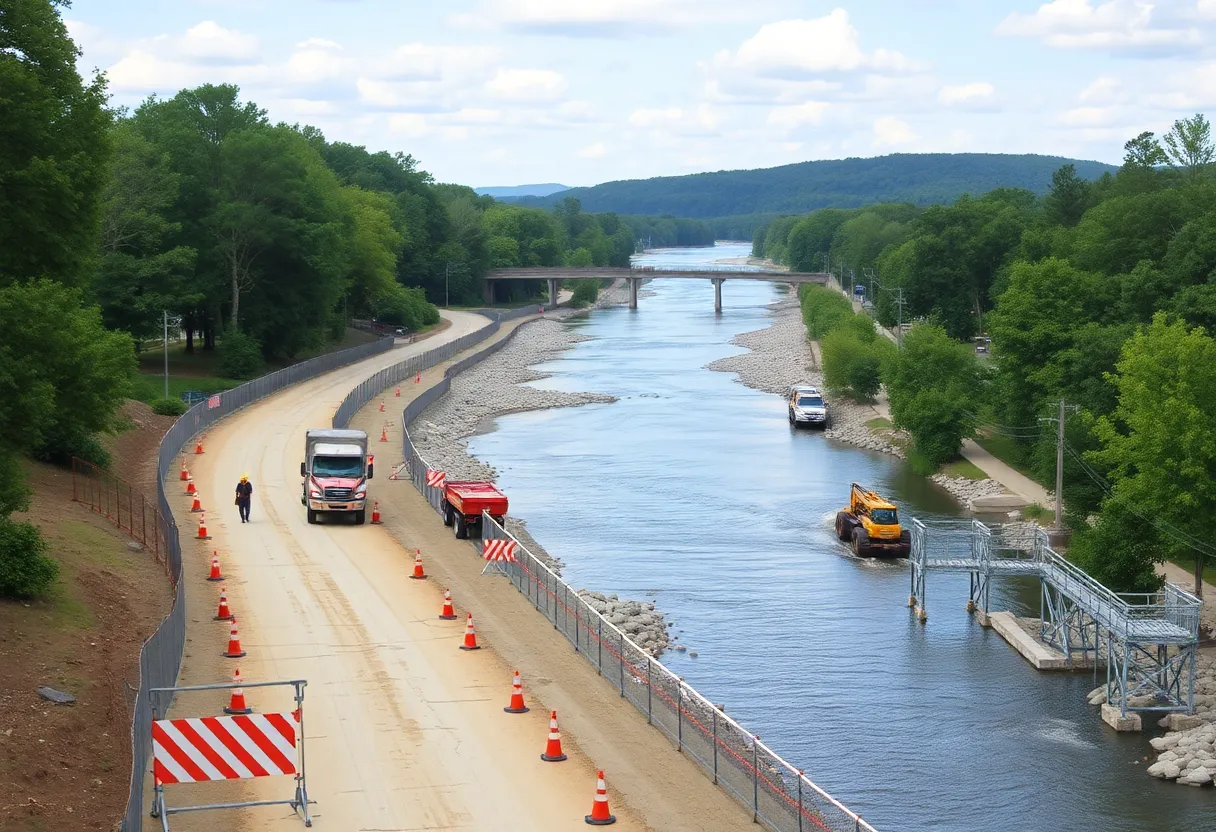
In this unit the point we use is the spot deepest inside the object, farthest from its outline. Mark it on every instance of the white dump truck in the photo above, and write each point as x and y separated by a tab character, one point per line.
336	470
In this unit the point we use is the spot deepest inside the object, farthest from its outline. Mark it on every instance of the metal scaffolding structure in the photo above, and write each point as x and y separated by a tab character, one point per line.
1150	639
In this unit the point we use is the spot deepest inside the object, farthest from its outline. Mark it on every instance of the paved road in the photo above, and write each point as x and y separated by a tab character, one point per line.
404	731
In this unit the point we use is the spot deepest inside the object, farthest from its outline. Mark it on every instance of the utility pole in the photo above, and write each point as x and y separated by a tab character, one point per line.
899	302
1059	524
166	322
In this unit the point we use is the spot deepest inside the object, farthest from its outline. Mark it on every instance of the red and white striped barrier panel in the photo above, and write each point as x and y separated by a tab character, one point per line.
498	550
203	749
435	479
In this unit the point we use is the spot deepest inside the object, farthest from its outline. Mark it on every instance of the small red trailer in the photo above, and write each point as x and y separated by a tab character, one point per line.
463	503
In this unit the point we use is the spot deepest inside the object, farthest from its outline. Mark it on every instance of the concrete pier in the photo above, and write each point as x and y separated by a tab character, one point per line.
552	292
718	281
1034	651
634	282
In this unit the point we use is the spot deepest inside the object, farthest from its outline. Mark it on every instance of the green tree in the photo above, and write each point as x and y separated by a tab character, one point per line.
373	245
1068	198
1120	550
54	149
1189	145
933	384
1160	443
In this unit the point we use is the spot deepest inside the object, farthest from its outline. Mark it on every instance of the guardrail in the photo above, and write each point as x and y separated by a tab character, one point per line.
161	656
779	795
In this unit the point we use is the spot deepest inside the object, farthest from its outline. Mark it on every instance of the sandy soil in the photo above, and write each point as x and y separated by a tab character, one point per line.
404	731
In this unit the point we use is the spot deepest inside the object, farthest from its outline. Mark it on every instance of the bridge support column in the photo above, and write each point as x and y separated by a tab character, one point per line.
718	281
552	291
633	291
487	292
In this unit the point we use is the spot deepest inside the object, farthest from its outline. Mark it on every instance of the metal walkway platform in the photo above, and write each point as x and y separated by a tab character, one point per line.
1150	638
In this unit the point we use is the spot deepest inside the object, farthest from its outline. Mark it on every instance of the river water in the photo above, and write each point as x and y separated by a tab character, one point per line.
692	491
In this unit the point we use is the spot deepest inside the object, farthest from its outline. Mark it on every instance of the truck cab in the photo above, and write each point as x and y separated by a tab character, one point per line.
335	471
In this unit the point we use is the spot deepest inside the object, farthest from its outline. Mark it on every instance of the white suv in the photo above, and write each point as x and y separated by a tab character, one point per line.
807	407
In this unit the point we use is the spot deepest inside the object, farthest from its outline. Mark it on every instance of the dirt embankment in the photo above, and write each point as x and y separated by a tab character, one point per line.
68	766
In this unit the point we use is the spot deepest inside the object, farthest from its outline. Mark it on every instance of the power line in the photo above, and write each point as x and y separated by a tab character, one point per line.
1166	528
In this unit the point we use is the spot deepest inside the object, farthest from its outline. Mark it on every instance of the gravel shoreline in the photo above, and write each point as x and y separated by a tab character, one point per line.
496	387
780	356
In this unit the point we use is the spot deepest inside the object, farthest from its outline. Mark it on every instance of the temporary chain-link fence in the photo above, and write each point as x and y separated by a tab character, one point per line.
128	509
161	656
779	796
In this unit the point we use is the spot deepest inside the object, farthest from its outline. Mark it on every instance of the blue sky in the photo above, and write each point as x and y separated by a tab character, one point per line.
501	92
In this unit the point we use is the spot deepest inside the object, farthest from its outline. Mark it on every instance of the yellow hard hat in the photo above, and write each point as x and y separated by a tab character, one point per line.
244	477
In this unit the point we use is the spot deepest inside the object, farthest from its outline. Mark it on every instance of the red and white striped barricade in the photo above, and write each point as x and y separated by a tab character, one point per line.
497	554
435	479
212	748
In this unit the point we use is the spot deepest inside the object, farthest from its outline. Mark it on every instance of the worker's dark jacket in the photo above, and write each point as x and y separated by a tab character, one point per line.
244	490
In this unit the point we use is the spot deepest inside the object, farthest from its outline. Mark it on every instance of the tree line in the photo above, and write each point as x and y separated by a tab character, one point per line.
261	238
1099	294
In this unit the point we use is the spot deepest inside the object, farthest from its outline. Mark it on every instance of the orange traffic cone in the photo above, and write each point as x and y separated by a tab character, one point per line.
382	405
198	446
384	434
197	506
517	705
190	489
376	513
202	528
234	643
398	391
185	473
470	636
418	575
237	705
448	614
553	749
215	568
223	613
600	816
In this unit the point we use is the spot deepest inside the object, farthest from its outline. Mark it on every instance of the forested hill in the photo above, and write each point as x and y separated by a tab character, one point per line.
922	179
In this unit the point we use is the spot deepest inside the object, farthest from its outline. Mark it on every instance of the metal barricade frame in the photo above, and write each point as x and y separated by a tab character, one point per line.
299	802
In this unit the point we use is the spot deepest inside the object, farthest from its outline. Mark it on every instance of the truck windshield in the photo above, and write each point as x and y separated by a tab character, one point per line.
337	466
810	401
884	516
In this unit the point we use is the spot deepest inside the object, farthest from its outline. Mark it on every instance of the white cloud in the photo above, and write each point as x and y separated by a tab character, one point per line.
527	85
598	150
1206	9
650	118
598	18
798	115
807	48
1115	25
890	131
1089	117
966	93
1103	90
210	43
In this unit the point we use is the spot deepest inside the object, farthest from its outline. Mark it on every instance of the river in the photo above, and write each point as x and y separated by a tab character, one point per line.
692	491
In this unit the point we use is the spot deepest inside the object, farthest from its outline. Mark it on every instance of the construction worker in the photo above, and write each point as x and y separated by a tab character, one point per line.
244	495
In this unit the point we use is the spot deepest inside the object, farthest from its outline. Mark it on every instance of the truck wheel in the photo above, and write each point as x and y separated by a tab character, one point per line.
360	516
462	528
861	543
448	514
312	517
843	526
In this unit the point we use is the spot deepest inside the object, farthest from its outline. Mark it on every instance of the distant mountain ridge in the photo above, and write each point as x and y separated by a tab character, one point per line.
919	178
500	191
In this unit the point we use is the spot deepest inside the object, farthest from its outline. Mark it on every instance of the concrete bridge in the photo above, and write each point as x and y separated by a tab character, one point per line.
715	274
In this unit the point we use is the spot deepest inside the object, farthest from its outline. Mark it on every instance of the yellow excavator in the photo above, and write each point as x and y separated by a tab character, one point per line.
870	525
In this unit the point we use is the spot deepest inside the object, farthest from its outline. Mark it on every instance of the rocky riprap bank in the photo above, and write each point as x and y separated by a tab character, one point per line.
780	356
493	388
1187	755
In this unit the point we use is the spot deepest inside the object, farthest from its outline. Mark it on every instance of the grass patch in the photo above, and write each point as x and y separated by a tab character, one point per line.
879	423
101	544
963	468
1038	513
148	388
1007	451
1209	571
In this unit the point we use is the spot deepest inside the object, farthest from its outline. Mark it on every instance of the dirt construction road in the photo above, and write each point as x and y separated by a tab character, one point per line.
404	731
